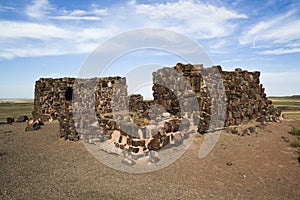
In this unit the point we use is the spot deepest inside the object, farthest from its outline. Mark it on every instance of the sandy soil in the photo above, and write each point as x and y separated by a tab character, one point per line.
38	165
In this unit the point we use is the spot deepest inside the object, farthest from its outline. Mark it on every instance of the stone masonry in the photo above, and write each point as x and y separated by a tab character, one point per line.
139	126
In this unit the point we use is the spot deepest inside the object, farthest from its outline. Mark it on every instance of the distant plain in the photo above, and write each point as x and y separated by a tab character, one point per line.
15	108
290	107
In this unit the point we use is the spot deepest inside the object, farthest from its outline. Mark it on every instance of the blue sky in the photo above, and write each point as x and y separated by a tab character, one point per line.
52	38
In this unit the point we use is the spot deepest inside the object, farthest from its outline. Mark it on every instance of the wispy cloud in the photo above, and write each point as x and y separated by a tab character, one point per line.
28	39
18	29
193	18
93	14
231	60
70	17
218	44
281	51
38	9
244	59
6	8
274	35
41	9
61	42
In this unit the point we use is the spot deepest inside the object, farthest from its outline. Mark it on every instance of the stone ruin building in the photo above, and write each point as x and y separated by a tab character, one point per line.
245	100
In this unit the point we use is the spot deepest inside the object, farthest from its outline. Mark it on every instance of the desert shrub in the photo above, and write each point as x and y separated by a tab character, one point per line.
295	143
294	131
138	119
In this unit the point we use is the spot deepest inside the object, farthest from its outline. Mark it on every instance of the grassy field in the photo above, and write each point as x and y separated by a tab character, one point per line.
290	106
15	108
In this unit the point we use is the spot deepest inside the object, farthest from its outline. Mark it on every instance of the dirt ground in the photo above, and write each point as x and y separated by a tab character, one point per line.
38	165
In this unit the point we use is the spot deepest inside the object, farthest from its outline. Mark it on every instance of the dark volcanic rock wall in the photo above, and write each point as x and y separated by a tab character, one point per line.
245	96
51	97
86	106
94	111
54	100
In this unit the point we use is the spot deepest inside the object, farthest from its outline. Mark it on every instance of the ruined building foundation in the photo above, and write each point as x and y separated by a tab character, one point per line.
70	101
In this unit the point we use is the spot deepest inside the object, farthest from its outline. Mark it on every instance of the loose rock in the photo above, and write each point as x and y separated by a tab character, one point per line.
23	118
10	120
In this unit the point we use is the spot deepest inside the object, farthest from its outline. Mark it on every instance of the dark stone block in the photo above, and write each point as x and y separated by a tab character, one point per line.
23	118
10	120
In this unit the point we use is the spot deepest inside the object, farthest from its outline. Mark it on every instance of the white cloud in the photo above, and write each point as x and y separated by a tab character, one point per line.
244	59
278	31
33	52
281	51
49	36
78	12
99	12
73	42
26	39
14	29
204	21
95	14
42	9
178	10
6	55
218	44
38	9
71	17
6	8
87	34
52	48
231	60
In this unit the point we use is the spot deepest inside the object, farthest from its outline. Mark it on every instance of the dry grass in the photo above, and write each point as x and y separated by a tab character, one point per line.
15	108
290	106
295	143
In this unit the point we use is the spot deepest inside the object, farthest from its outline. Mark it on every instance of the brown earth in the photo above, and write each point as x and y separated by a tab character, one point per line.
38	165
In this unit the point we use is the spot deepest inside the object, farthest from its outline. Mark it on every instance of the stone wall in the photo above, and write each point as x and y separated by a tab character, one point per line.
244	97
183	101
94	102
51	96
54	100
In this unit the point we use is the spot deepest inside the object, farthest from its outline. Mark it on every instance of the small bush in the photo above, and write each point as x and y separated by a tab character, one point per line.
295	143
138	119
294	131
